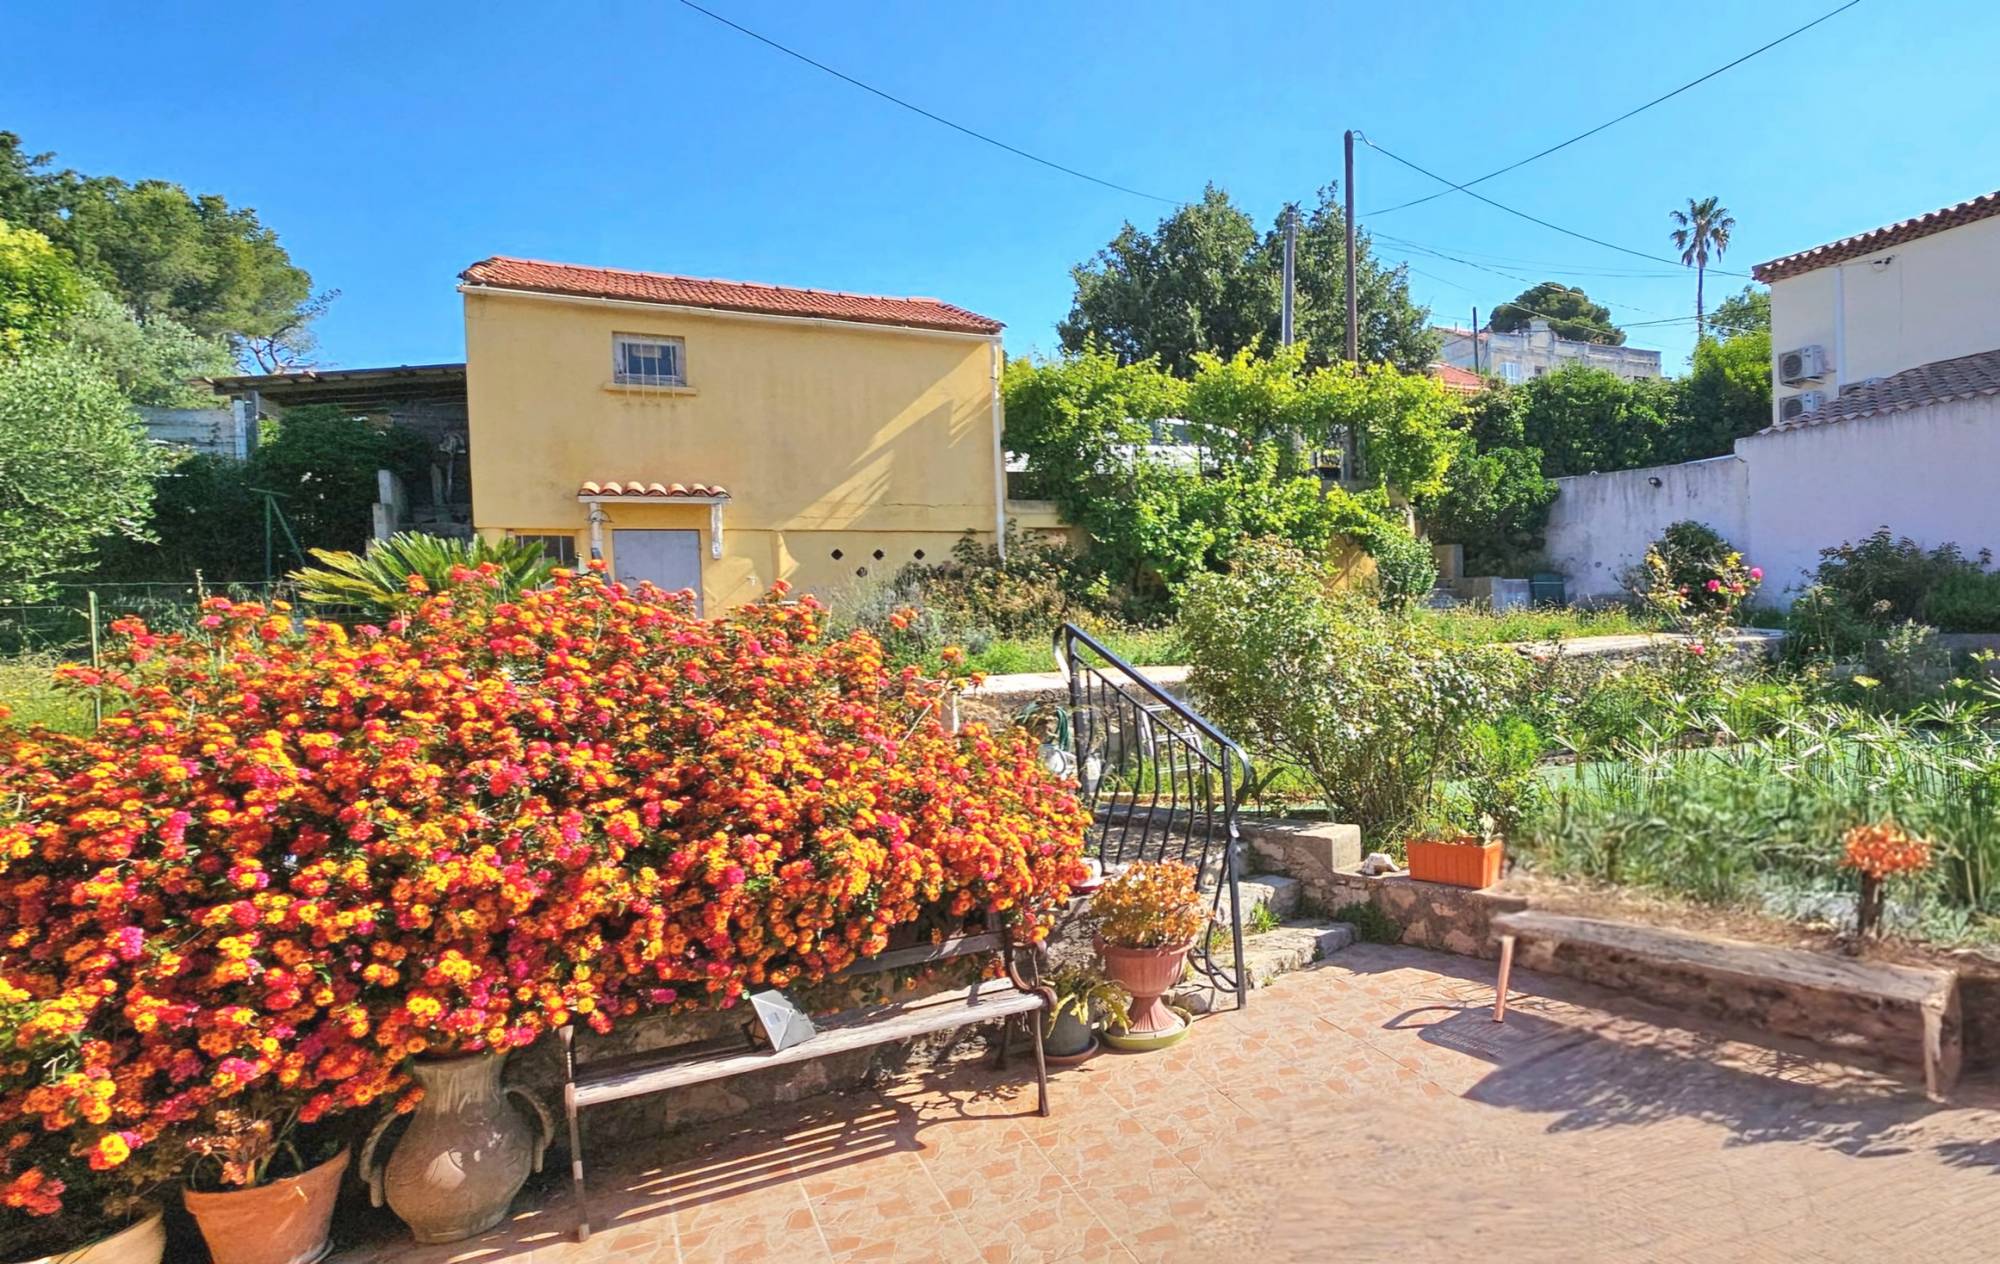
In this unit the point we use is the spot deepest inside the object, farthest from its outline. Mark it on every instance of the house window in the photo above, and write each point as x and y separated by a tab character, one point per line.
1510	372
559	549
648	361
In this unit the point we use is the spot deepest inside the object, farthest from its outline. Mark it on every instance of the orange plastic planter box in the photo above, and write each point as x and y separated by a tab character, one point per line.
1467	864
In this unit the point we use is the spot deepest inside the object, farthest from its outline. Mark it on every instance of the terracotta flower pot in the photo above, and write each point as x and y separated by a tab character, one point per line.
1148	974
144	1241
1473	865
284	1222
466	1153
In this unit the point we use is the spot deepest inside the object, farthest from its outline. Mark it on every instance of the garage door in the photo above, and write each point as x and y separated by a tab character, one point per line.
671	559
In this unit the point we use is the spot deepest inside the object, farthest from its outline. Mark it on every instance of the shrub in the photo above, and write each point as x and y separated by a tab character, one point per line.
1498	782
400	572
1691	571
1885	580
1373	708
290	859
1405	567
1966	601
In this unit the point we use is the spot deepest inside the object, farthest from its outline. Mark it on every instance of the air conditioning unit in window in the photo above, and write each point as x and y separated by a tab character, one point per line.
1806	364
1800	406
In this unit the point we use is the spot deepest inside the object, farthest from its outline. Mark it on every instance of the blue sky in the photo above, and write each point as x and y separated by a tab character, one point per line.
392	144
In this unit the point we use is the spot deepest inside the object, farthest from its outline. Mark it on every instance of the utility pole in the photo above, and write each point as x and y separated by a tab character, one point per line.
1475	340
1291	251
1353	315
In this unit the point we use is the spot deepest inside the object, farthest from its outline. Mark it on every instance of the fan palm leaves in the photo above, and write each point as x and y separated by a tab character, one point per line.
379	580
1701	233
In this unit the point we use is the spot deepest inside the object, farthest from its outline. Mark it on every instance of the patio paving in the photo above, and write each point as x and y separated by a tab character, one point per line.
1367	1108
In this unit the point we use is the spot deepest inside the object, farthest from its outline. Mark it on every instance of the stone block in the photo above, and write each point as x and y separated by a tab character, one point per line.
1302	849
1274	891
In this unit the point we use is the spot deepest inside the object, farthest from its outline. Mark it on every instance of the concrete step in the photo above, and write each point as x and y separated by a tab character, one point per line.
1274	891
1294	945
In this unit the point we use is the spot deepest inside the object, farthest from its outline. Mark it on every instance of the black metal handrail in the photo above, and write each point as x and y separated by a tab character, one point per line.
1161	783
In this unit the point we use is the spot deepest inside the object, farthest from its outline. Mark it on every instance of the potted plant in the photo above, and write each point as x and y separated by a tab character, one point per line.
1147	920
1456	858
1879	852
1084	998
262	1185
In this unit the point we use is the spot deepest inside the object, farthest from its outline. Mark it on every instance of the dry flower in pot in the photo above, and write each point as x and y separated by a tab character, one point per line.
1148	917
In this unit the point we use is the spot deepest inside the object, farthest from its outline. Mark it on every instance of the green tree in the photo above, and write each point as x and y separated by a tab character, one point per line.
1727	396
322	464
1571	313
1747	312
1700	233
1205	280
75	464
39	290
153	361
1497	507
1586	420
162	251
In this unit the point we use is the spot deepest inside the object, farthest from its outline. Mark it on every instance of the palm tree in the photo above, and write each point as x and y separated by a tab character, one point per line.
1699	230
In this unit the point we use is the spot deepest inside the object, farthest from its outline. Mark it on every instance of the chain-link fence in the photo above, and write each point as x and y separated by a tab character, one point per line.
76	617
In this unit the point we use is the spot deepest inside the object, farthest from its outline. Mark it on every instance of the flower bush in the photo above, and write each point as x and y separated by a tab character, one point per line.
1151	904
1878	852
294	856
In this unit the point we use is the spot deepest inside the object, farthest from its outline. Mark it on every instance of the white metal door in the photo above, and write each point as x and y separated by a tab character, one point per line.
671	559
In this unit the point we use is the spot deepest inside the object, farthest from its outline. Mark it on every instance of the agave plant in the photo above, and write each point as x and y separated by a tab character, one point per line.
379	579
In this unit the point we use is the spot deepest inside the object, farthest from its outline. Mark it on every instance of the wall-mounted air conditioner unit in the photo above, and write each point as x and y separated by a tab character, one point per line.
1800	406
1806	364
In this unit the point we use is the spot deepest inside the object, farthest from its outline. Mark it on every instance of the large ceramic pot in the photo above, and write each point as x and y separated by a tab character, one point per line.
466	1153
1148	974
284	1222
144	1241
1070	1038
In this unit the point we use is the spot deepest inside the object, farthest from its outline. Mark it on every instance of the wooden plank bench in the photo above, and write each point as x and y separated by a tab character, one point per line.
1905	1013
595	1082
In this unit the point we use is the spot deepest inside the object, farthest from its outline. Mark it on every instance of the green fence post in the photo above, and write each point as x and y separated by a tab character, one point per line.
96	691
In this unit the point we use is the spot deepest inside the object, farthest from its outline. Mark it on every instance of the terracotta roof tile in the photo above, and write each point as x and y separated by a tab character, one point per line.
633	488
503	273
1939	382
1861	245
1461	381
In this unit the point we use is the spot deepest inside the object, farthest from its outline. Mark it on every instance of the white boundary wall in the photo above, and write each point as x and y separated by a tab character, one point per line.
1931	473
1601	524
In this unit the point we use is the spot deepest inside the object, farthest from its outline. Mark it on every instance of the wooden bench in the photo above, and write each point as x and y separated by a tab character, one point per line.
613	1079
1905	1013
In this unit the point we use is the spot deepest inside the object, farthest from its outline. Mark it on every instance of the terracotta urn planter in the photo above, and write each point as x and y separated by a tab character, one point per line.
466	1153
283	1222
144	1241
1148	974
1461	864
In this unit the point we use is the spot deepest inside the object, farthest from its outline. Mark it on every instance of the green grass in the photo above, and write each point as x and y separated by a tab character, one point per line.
1141	647
28	690
1468	625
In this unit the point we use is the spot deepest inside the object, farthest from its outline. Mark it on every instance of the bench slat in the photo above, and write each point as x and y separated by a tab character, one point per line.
634	1075
1751	962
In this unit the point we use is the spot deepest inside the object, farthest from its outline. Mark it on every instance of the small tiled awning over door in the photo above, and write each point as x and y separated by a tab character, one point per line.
650	492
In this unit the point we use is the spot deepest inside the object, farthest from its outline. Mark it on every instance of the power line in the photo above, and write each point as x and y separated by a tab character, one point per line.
1550	265
1627	114
1512	276
935	118
1533	219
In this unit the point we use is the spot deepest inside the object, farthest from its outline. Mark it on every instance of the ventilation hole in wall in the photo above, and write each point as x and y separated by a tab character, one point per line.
879	555
919	555
861	572
837	555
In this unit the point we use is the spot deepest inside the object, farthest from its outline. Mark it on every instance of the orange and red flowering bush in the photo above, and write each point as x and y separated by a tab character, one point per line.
295	855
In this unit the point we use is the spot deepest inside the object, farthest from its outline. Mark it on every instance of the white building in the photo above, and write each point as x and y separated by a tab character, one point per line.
1886	412
1537	350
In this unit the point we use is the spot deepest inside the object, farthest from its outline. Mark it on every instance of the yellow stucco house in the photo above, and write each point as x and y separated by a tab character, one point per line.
718	436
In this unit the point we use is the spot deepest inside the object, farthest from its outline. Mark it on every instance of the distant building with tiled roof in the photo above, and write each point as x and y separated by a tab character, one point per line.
1456	380
718	436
